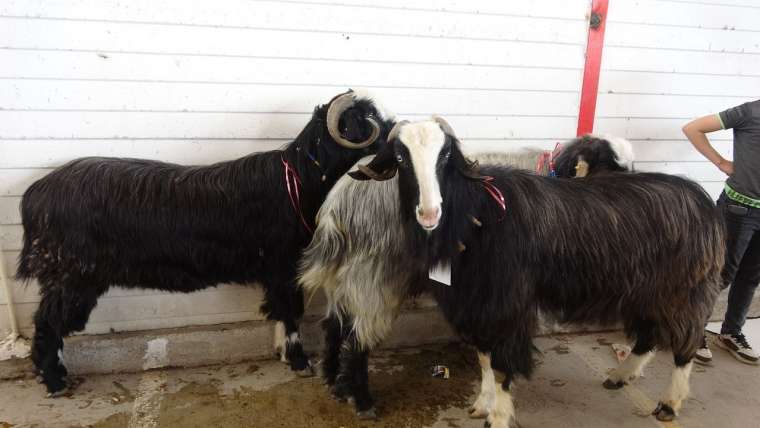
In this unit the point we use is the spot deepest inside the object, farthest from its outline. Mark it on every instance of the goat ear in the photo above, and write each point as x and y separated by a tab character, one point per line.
463	165
382	167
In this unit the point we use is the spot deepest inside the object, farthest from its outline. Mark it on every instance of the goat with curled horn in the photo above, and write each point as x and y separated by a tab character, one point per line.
98	222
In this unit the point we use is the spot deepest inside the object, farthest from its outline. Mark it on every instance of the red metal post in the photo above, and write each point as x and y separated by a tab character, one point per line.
597	23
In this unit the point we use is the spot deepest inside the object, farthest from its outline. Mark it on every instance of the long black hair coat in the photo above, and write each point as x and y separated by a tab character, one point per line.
643	249
98	222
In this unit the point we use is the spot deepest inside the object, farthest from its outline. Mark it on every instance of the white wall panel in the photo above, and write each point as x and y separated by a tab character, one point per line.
667	62
212	81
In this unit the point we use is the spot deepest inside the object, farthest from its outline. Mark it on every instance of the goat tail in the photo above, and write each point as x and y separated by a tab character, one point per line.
33	226
688	330
323	257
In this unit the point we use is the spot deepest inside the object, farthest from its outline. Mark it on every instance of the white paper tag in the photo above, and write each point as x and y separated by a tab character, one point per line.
441	273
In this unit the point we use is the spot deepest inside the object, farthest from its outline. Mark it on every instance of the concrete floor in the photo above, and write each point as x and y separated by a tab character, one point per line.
566	391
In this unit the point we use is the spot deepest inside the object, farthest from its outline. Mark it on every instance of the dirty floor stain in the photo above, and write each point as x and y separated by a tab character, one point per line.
405	392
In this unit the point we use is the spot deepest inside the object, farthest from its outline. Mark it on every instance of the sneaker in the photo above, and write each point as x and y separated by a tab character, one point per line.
703	356
738	346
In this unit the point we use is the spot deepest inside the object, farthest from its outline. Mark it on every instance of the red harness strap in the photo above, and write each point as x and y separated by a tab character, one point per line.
293	183
547	157
495	194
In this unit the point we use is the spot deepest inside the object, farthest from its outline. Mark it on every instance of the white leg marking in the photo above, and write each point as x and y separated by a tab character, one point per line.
638	398
279	340
150	393
485	399
503	409
679	387
631	368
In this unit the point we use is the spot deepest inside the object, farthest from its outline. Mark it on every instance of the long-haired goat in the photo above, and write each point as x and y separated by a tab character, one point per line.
643	249
98	222
364	263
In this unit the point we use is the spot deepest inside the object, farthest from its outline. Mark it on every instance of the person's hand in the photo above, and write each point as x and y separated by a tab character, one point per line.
726	166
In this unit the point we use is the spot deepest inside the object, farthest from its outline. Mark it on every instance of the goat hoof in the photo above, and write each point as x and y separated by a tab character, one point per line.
366	415
341	392
477	413
307	372
487	424
341	398
39	379
63	392
664	413
610	384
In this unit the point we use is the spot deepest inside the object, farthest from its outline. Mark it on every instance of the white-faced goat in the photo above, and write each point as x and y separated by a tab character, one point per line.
641	249
98	222
367	265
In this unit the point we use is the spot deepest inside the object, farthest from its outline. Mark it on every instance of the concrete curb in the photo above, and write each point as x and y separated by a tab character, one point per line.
223	344
252	340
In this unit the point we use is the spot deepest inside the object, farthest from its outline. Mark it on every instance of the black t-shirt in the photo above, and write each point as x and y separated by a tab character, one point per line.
745	121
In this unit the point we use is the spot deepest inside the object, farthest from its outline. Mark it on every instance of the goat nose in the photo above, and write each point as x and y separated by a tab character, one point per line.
428	218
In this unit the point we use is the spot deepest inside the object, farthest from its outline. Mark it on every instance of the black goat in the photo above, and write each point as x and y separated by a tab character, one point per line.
642	249
98	222
362	261
593	154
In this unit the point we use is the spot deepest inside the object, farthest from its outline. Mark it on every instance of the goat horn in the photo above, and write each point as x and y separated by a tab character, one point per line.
445	127
337	107
396	130
581	168
385	175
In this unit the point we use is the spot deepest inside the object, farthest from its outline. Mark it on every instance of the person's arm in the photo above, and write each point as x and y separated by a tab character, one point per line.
695	131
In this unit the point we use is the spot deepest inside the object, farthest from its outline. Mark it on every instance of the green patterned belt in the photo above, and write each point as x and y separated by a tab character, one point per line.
742	199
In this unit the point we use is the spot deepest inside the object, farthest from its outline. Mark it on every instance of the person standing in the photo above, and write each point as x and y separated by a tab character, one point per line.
740	205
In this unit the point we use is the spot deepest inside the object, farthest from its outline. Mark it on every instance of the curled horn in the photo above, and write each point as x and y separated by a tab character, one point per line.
369	172
396	130
337	107
581	168
445	127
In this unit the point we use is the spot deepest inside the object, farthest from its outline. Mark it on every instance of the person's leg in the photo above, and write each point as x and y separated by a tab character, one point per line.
742	273
739	233
739	300
743	287
740	229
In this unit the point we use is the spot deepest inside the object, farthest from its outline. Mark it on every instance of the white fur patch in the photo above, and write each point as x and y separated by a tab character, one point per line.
485	401
631	368
424	140
279	339
503	409
623	149
679	387
365	94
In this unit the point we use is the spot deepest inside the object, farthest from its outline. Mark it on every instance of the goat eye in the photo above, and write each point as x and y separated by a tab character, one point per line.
399	159
446	156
